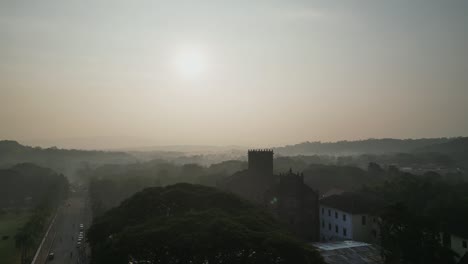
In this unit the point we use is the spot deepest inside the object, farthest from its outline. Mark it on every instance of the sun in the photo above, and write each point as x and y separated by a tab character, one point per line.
191	63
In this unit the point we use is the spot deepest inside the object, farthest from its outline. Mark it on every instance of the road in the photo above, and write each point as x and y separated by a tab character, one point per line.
63	235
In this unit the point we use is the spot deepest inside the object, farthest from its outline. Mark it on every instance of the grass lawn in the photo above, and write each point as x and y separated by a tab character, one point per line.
9	224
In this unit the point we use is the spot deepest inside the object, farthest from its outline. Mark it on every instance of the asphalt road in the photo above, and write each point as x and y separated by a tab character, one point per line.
64	233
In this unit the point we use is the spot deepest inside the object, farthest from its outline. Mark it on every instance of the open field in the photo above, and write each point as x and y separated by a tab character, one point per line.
9	224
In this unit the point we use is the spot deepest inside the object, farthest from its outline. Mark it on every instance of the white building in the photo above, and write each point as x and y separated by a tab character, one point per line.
457	243
348	217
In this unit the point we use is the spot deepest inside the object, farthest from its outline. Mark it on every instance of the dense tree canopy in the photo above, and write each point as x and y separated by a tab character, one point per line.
431	197
111	184
325	177
408	238
186	223
27	184
417	210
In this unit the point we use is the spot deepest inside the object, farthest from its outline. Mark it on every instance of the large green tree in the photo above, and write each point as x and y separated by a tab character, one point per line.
411	239
416	211
186	223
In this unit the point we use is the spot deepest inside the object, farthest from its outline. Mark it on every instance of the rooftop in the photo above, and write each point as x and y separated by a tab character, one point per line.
339	245
354	203
349	252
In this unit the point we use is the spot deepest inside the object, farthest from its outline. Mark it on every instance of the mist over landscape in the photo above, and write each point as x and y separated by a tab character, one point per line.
233	132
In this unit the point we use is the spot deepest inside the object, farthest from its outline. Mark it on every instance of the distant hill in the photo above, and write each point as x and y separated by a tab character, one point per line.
456	149
368	146
61	160
457	145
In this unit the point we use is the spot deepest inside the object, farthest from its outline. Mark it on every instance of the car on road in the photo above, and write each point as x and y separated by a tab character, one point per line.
51	256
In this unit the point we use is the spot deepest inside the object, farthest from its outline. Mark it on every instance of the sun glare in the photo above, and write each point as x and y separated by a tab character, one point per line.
191	64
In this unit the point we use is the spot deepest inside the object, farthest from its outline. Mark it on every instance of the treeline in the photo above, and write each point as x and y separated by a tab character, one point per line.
61	160
369	146
110	184
346	178
416	153
450	165
26	185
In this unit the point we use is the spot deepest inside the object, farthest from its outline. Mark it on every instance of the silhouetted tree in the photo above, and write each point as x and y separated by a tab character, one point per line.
186	223
410	239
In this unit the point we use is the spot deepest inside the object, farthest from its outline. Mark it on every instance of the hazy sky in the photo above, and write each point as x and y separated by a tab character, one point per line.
87	73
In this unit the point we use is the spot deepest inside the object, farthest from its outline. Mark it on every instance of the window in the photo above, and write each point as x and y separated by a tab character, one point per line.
329	212
336	229
374	233
329	226
344	232
363	220
323	210
464	243
373	220
336	214
323	223
344	217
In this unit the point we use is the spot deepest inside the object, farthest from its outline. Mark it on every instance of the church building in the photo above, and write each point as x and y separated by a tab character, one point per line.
286	195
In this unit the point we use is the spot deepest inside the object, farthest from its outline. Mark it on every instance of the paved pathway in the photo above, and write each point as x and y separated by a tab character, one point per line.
63	235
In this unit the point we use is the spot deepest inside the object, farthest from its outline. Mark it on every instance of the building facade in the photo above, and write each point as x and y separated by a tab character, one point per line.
335	224
296	205
345	217
456	243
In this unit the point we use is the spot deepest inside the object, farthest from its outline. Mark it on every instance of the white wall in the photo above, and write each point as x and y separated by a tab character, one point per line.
363	232
326	220
457	245
355	230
